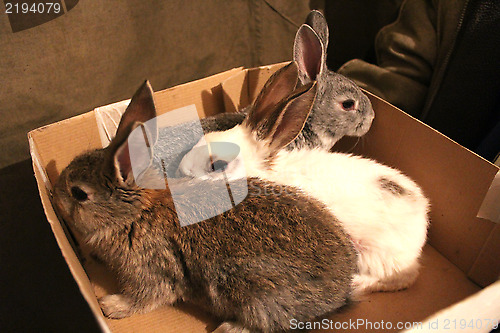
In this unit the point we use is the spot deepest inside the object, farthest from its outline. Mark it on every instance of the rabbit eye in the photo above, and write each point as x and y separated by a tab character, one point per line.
78	193
218	165
348	104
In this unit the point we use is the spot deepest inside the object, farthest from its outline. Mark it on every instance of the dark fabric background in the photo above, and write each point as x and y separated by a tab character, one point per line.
353	26
37	291
99	51
466	106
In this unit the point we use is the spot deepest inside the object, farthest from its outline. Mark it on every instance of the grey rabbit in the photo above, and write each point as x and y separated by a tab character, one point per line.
340	109
276	256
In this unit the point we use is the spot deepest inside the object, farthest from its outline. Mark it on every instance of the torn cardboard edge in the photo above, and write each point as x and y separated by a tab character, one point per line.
35	157
108	117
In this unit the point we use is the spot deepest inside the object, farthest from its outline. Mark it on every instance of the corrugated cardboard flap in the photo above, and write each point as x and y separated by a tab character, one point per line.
242	88
62	238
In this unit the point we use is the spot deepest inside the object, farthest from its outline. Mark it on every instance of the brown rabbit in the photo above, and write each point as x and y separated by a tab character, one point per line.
276	256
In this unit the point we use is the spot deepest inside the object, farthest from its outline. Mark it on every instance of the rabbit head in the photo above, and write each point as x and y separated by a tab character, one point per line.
341	108
98	188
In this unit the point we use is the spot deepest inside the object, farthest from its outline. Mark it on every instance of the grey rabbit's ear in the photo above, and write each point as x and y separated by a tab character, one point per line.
131	149
278	87
309	53
310	46
292	116
318	23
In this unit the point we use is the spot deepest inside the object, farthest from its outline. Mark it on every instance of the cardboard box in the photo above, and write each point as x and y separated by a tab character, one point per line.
462	257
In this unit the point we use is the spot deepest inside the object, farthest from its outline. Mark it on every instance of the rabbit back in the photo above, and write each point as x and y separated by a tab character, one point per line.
276	256
384	211
275	251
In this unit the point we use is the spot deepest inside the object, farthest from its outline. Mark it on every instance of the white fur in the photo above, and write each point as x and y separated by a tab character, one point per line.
388	229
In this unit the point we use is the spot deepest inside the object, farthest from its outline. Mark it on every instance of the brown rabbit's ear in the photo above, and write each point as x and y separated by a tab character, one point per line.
309	53
278	87
141	109
292	117
119	160
129	154
123	156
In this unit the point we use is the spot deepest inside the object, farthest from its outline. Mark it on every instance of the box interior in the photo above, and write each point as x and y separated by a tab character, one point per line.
460	258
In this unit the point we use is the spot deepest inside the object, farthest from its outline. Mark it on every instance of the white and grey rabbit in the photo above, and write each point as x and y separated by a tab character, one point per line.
340	108
276	256
383	211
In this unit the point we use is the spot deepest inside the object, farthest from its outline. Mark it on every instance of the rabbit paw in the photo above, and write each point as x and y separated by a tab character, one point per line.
364	284
115	306
231	327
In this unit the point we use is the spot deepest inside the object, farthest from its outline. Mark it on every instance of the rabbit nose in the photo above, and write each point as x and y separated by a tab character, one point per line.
61	206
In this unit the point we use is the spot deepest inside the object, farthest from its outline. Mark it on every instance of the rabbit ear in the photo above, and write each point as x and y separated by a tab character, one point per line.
292	117
278	87
317	21
131	149
309	53
141	109
120	162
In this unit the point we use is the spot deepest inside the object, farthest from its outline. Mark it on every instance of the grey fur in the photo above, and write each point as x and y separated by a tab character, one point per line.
222	122
317	21
277	255
328	121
